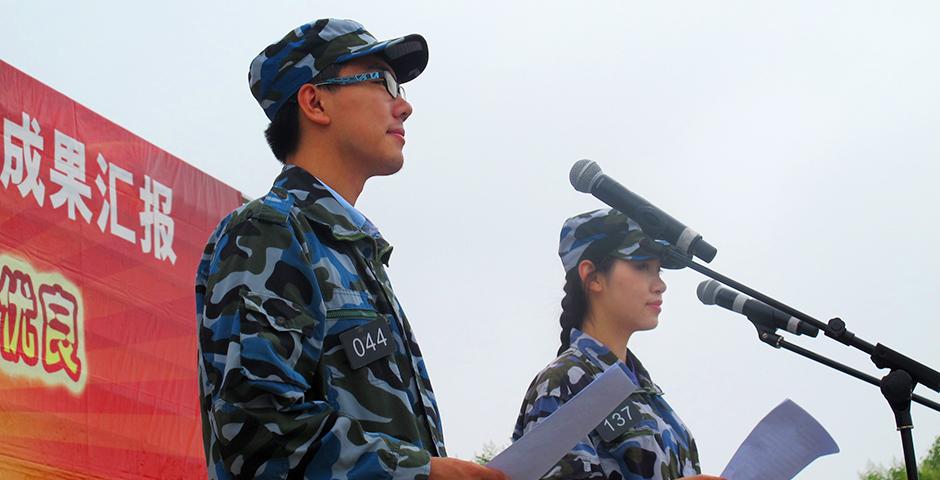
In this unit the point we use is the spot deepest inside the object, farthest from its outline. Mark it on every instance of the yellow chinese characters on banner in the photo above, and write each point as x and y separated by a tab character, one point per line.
42	333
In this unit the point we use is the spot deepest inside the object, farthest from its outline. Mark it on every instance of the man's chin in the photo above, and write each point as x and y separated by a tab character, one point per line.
390	167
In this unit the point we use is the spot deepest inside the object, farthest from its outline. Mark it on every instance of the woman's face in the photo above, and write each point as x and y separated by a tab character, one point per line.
630	294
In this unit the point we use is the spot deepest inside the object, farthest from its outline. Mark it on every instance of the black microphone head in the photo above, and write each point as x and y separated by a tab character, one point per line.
708	291
584	173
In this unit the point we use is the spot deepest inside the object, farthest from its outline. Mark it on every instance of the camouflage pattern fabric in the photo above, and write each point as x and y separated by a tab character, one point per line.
603	232
282	68
281	277
656	446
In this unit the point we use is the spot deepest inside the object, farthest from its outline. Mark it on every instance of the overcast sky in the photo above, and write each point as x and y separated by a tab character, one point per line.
801	138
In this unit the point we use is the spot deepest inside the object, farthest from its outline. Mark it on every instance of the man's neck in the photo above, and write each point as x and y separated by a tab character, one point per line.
331	171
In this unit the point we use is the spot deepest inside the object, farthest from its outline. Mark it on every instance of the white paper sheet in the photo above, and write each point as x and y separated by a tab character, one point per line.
537	451
783	443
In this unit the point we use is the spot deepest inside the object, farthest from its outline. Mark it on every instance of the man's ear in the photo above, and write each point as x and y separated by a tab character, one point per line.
312	105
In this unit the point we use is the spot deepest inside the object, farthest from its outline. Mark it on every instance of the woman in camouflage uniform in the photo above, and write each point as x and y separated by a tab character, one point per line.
613	289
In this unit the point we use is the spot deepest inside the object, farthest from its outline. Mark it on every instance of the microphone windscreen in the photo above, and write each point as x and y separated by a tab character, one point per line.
707	291
583	174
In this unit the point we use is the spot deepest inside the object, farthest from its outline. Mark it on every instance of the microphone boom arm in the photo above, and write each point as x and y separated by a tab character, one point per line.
881	356
770	337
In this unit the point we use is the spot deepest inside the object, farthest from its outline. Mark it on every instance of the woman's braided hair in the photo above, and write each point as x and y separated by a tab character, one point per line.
574	304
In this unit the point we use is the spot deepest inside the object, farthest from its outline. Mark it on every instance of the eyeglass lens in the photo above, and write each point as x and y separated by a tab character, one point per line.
394	89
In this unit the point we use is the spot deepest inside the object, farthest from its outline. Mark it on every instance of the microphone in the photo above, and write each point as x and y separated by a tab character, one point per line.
711	292
586	176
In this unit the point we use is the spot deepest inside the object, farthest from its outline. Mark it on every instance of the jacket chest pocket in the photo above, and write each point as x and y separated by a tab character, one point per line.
340	320
356	337
360	359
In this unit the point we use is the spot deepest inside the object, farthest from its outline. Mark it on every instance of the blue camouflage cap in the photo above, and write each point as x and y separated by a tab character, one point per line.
603	232
282	68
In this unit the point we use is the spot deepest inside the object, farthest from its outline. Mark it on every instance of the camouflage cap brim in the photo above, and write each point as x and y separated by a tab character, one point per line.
646	249
408	55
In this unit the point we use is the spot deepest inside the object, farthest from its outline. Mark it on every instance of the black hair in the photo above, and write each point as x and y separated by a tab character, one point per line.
574	304
283	134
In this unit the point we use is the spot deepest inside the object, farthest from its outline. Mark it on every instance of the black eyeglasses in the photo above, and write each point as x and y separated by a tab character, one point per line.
391	84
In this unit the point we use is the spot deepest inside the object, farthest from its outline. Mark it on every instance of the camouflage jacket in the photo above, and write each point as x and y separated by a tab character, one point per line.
280	279
654	443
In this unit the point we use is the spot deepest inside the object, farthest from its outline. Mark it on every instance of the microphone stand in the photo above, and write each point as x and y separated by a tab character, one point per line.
897	387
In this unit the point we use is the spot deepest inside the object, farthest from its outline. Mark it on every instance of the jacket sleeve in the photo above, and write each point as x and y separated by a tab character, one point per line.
261	337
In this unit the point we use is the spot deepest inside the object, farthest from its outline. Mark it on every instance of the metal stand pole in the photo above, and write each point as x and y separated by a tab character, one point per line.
897	388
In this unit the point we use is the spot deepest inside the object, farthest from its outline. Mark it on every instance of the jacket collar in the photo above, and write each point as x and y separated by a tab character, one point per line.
322	206
600	356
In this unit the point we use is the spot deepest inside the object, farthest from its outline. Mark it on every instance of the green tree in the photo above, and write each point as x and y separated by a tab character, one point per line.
929	468
490	450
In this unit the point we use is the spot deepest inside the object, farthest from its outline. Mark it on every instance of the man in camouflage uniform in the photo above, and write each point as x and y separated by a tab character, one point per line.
645	439
308	365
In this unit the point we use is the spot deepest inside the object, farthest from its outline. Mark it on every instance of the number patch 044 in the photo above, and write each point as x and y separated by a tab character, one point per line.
367	343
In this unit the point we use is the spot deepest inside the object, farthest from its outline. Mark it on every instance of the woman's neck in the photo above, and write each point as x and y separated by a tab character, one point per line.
615	339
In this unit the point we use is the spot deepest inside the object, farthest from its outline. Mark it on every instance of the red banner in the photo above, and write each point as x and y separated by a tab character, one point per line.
100	235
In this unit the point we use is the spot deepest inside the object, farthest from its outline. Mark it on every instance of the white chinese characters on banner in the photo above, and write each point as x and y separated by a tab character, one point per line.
21	167
21	162
158	226
109	208
68	172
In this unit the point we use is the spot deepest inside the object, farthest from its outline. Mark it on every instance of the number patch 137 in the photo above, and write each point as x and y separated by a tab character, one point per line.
367	343
621	420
